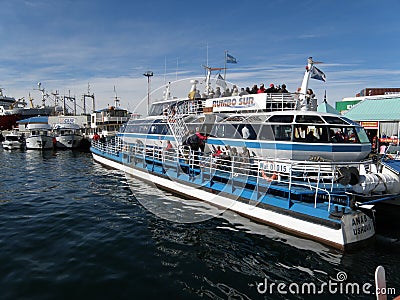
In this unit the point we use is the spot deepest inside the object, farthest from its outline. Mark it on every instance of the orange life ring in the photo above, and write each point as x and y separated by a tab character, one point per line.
274	176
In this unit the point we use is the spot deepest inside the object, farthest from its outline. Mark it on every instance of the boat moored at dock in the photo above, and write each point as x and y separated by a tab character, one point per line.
40	137
68	136
269	157
13	141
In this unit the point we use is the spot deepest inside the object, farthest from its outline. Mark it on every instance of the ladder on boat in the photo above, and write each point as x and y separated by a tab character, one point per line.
178	129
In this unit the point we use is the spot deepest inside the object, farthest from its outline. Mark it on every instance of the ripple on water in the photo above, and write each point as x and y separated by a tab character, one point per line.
73	229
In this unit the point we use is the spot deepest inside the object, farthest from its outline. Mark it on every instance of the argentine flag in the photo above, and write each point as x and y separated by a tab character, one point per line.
230	59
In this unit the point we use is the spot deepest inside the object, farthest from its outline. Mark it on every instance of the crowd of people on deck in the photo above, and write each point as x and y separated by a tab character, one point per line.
234	91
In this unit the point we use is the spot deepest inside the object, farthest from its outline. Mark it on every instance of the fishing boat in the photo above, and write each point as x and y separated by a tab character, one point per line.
68	136
40	137
285	164
12	111
13	141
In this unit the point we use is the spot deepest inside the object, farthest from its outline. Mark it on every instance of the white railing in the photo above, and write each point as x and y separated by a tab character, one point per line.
319	178
281	102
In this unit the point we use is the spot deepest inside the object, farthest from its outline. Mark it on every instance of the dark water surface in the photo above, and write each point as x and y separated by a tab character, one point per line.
72	229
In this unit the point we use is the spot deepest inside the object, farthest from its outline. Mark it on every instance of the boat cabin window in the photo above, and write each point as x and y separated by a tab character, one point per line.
247	131
309	119
282	132
362	135
310	134
11	138
343	135
281	119
39	132
150	128
334	120
266	133
226	131
156	109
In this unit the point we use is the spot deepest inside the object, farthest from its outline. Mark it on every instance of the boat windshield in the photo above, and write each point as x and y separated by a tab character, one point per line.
11	138
362	135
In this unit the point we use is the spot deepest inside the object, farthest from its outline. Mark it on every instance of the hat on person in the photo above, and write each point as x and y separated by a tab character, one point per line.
271	85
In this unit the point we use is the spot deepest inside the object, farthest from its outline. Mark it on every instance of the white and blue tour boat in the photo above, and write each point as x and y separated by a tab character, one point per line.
285	164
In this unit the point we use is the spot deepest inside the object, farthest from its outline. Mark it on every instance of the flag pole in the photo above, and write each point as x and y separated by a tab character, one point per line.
226	52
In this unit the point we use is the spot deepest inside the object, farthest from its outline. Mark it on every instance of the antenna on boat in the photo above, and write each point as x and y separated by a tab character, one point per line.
165	70
116	99
177	65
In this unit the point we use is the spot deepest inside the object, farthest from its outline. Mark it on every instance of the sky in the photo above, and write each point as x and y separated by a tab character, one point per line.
70	44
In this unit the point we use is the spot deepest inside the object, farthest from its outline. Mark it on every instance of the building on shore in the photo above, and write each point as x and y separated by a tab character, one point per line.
379	115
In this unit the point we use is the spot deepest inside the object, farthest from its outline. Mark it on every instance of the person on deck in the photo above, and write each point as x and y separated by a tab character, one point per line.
202	140
96	137
261	89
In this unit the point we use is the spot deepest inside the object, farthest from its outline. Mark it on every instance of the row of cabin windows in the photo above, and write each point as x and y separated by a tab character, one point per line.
313	119
151	128
180	107
297	133
278	132
39	132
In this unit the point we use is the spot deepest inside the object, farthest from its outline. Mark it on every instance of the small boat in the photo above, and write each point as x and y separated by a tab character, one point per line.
68	136
39	137
13	141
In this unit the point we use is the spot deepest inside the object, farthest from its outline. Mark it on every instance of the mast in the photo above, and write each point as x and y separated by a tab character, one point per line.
208	78
116	99
304	85
226	52
88	96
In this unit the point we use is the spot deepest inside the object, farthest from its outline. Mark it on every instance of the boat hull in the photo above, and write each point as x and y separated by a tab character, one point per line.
8	122
12	145
68	141
353	229
39	143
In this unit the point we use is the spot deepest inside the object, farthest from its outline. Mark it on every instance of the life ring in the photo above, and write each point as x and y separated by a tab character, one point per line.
274	176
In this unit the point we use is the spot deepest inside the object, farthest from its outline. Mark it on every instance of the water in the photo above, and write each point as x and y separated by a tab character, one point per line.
72	229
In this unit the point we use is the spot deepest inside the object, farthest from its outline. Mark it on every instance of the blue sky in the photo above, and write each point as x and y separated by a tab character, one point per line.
66	44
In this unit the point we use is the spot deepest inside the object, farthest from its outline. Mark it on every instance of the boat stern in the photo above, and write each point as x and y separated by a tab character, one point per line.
357	227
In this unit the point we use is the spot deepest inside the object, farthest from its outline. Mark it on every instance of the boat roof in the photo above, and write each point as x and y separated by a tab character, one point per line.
38	119
111	108
66	126
39	126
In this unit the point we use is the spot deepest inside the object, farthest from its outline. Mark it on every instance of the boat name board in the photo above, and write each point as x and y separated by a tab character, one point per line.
237	103
68	121
272	166
360	225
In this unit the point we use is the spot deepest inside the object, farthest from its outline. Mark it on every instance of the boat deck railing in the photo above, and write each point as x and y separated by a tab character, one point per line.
309	181
281	101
